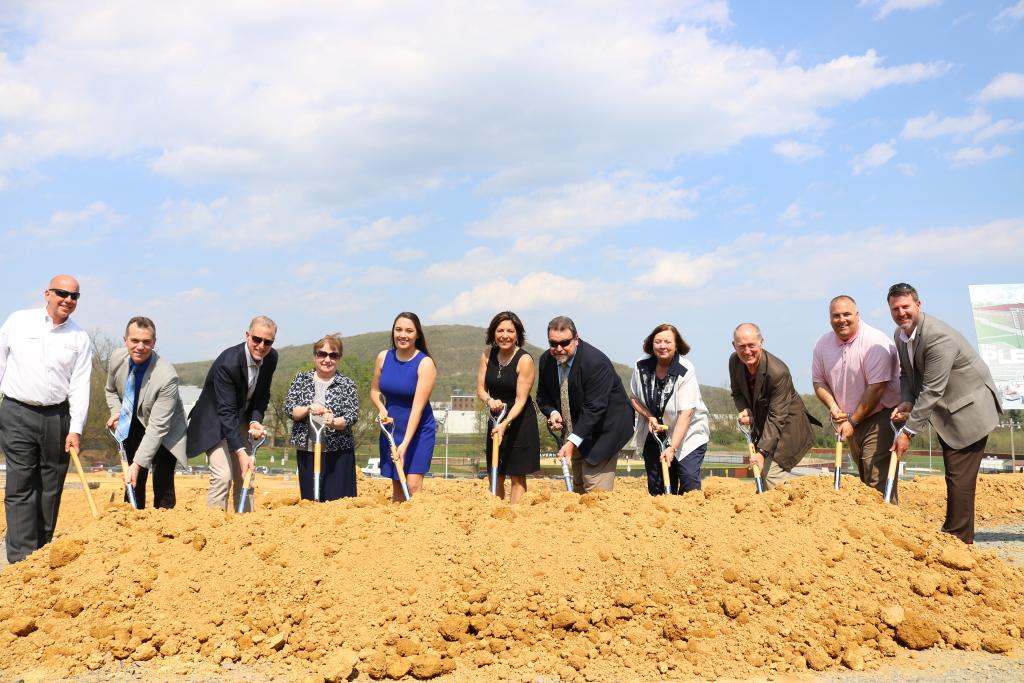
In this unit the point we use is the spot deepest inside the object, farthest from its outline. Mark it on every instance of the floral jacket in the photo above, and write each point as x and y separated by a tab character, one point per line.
342	400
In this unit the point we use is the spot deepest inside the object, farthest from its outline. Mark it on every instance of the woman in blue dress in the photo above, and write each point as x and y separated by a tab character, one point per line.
403	377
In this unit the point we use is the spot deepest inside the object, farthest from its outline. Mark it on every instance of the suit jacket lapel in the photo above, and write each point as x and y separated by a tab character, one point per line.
919	347
759	378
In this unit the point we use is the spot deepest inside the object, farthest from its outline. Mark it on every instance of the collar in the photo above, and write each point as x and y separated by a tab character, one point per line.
913	335
650	364
141	367
248	356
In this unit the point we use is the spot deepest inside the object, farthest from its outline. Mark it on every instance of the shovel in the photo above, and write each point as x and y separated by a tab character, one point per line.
565	465
751	452
317	425
890	480
399	465
663	429
85	484
124	469
496	446
248	489
839	452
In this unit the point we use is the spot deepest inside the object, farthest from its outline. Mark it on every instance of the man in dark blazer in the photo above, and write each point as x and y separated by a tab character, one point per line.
945	383
762	389
156	436
231	407
592	411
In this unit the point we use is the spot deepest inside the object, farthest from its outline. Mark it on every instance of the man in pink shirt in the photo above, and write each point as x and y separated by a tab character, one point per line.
856	374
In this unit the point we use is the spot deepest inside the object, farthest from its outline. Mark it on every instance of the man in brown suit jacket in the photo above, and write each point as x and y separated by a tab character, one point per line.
763	392
944	383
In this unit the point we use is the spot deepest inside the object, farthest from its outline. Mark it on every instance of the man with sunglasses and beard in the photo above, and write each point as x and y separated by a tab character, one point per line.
230	410
580	394
45	363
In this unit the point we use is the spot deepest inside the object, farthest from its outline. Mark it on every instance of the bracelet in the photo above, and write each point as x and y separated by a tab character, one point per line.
853	422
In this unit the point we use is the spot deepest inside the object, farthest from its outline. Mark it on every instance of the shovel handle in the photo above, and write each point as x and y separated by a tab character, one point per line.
317	456
85	484
757	469
890	480
664	477
839	462
495	450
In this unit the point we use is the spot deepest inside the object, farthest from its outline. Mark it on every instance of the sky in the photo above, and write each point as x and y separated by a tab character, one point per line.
698	162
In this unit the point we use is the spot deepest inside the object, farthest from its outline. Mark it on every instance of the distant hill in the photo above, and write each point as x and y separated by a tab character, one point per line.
455	348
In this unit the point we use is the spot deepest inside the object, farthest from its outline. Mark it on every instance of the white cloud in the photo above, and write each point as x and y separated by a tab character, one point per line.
796	215
407	255
533	291
875	156
887	7
477	264
572	214
968	156
1000	127
1008	17
931	126
384	232
1007	85
87	225
797	151
251	223
348	102
682	269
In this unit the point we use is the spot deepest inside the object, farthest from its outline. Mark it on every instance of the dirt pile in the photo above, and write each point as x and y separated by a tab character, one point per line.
716	583
999	499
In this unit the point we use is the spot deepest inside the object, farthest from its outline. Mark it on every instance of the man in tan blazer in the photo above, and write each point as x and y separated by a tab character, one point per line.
762	389
156	437
944	383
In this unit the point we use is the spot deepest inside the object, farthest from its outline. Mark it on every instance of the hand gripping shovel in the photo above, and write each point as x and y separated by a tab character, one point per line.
893	463
496	446
565	465
317	425
85	484
124	469
751	452
399	465
663	429
248	489
839	452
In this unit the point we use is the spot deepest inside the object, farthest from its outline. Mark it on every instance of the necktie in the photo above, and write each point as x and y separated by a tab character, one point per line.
124	418
254	373
563	391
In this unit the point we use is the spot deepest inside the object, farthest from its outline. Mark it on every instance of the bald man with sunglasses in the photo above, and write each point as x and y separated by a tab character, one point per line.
230	409
45	363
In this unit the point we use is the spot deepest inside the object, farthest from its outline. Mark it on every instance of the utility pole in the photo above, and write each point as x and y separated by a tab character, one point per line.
1013	425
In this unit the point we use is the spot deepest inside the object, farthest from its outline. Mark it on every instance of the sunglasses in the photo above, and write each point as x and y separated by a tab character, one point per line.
333	355
564	343
258	341
65	294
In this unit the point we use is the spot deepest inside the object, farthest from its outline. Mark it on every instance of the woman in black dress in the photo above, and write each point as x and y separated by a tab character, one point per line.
506	376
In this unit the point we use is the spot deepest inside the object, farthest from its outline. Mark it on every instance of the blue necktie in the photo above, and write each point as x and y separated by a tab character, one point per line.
124	418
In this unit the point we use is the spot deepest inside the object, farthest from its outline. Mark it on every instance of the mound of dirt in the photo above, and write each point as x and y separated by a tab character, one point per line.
999	498
719	583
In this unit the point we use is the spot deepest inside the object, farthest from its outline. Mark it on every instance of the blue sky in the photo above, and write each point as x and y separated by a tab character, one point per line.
697	162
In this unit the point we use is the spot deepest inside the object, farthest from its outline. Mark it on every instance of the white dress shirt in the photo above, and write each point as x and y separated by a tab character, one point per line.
43	365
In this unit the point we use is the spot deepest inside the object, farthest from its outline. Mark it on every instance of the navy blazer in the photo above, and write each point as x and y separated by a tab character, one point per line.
601	414
221	409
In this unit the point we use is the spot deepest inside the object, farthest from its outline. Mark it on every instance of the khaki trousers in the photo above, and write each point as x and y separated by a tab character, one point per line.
587	477
225	476
869	450
773	474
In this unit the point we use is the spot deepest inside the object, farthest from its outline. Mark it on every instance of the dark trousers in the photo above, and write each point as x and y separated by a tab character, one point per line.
337	474
163	471
33	443
683	475
962	467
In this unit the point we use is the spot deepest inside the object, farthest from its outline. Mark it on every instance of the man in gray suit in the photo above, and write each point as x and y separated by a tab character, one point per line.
156	436
943	382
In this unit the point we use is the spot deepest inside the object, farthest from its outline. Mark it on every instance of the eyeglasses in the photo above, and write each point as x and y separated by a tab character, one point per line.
564	343
333	355
257	341
65	294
